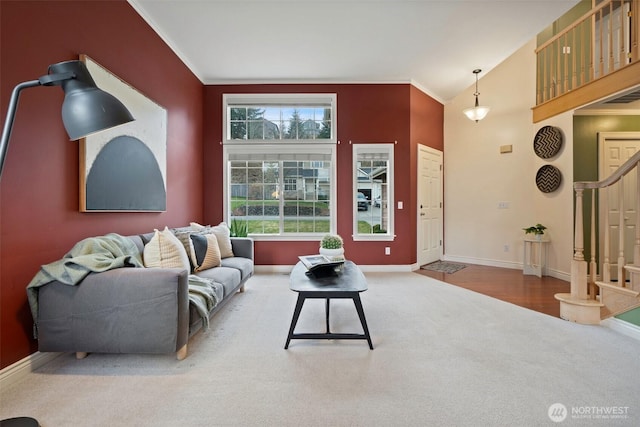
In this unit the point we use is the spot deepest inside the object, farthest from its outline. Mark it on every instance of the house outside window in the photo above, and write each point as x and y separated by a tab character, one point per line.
373	192
279	158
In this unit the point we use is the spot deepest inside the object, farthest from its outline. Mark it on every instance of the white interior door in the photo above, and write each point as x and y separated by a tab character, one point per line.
615	149
429	205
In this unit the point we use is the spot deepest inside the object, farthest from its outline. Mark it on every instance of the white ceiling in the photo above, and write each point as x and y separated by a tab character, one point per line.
433	44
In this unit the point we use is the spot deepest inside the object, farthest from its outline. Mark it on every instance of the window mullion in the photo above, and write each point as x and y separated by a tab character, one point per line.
281	195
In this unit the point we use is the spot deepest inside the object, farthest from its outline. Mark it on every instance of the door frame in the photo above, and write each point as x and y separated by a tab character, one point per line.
603	137
440	154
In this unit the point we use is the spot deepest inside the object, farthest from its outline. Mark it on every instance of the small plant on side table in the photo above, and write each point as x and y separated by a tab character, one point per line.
537	230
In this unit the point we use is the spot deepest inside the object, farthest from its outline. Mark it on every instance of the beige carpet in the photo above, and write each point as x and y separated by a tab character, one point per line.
444	356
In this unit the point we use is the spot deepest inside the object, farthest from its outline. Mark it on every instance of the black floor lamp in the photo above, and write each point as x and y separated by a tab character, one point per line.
85	110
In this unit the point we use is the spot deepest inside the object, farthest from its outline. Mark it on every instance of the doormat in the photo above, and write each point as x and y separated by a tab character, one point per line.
444	267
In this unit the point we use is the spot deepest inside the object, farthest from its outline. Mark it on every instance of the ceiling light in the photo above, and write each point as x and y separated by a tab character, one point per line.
478	112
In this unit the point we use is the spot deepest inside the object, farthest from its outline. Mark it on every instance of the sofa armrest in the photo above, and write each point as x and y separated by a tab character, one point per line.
242	247
124	310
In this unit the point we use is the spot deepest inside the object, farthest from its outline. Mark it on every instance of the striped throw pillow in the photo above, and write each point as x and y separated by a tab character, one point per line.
205	252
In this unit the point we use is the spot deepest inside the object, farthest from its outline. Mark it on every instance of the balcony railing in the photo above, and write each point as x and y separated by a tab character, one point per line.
602	42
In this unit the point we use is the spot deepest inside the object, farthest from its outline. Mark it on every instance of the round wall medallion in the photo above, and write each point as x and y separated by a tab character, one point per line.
547	142
548	178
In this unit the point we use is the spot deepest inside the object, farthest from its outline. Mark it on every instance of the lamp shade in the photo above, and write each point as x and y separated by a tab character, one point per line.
477	113
87	109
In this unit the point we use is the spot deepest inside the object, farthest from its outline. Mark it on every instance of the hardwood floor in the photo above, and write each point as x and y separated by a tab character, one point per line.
508	285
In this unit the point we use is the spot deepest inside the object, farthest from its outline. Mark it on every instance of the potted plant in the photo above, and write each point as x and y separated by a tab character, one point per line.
331	246
537	230
238	228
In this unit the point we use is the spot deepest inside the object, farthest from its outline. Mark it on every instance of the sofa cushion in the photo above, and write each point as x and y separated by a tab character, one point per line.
139	243
184	236
221	231
197	227
244	265
228	277
164	250
204	251
223	234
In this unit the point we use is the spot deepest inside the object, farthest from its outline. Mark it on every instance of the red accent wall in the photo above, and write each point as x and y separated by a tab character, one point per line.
366	113
427	128
39	216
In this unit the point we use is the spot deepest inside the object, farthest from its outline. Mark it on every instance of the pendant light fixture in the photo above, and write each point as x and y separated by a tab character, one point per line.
478	112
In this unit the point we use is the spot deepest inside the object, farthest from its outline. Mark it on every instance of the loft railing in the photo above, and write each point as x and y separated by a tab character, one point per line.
601	42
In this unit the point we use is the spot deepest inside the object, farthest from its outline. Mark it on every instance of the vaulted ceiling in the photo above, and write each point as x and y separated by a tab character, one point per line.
433	44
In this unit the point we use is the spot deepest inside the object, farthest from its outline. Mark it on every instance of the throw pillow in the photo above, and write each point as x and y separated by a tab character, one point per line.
205	252
184	238
164	250
196	226
223	234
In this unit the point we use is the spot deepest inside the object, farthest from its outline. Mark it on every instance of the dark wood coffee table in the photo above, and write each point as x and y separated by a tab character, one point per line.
348	284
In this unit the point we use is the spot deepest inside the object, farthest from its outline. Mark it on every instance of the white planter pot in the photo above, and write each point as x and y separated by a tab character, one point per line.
332	253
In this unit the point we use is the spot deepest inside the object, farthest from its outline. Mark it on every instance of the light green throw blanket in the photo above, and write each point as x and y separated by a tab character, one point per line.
98	254
204	295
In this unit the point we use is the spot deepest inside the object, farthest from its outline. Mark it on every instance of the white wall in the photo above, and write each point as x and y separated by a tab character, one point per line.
477	176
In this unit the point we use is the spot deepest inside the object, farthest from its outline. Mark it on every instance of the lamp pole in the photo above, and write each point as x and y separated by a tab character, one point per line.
11	114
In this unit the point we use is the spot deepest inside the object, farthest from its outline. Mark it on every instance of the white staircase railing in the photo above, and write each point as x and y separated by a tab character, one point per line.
591	299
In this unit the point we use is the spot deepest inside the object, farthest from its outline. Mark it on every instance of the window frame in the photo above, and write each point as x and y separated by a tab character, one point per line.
284	147
279	99
375	148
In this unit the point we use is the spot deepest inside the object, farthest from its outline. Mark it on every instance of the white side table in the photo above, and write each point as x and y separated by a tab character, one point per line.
535	256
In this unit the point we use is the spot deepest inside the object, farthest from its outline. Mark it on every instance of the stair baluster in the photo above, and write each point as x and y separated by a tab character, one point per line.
581	305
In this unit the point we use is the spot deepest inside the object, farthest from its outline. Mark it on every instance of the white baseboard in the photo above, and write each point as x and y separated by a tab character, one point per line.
483	261
506	264
625	328
16	372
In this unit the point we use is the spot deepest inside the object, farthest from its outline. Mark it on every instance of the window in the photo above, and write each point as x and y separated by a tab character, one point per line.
293	118
279	155
373	191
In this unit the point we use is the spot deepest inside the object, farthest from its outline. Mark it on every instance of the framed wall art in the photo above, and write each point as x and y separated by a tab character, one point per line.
124	169
548	178
547	142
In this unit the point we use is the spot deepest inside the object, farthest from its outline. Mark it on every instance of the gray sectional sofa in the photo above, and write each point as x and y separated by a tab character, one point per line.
134	310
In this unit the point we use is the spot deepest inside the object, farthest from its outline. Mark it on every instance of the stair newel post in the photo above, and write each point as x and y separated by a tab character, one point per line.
578	238
621	230
578	264
636	247
593	267
606	266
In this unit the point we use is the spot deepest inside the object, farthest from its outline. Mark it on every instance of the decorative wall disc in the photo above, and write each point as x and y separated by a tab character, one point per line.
547	142
548	178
